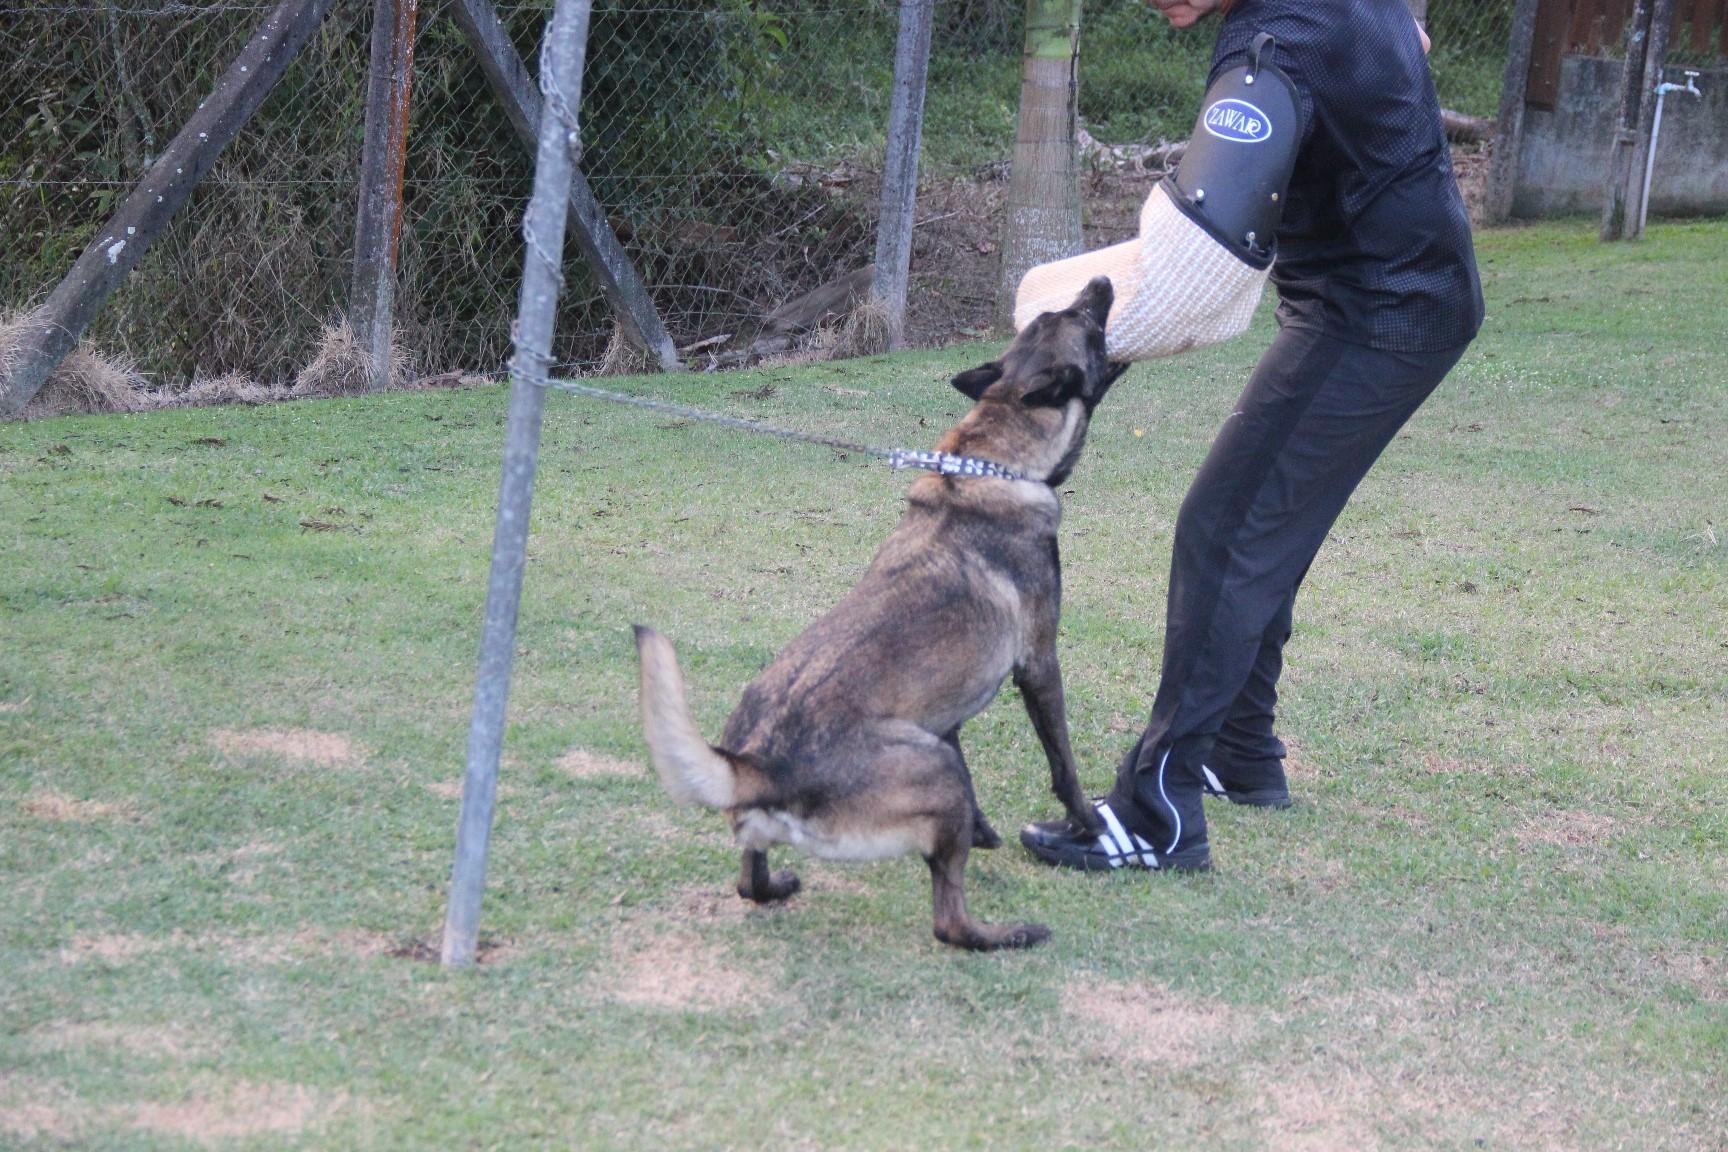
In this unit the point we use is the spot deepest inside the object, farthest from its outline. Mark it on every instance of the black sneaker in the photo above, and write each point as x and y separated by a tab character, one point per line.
1261	786
1060	843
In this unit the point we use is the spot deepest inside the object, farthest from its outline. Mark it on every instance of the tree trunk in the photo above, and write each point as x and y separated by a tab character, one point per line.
1042	221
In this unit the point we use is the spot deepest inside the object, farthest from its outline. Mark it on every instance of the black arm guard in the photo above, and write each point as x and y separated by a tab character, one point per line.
1232	179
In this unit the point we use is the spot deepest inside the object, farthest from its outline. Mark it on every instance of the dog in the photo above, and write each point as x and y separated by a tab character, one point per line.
848	745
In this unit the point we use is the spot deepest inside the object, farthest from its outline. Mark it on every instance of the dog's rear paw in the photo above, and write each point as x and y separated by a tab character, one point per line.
989	937
781	886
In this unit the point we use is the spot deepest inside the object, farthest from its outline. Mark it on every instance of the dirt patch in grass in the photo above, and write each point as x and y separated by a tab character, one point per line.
681	971
294	745
257	949
1567	829
1149	1023
1327	1112
32	1111
1704	974
581	764
59	809
237	1111
161	1042
718	901
1310	869
112	947
452	789
13	707
427	950
1435	764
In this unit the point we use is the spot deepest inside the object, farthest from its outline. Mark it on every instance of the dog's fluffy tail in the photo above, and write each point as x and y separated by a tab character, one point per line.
689	768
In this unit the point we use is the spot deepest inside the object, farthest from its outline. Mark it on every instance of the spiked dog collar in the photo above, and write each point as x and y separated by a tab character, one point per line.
946	465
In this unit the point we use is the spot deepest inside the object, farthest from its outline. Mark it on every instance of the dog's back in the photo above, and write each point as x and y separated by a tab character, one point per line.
926	637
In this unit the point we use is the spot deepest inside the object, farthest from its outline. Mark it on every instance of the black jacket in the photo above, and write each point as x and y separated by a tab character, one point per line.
1374	245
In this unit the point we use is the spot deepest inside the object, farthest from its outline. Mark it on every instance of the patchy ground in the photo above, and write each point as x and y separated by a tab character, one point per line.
235	681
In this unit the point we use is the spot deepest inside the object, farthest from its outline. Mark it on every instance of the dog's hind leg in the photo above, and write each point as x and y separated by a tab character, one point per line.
983	836
954	924
755	883
1040	684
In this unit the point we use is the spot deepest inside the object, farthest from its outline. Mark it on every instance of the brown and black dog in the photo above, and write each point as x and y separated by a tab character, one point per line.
847	745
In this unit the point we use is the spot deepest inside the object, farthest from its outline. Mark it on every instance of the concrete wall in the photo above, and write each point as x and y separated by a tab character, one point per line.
1564	167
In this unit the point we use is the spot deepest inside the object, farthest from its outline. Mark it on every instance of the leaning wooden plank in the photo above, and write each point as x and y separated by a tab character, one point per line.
623	289
57	326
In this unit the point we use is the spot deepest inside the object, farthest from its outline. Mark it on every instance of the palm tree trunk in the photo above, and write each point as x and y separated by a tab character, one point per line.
1042	221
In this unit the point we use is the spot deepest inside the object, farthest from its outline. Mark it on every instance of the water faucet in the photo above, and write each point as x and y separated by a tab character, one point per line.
1691	85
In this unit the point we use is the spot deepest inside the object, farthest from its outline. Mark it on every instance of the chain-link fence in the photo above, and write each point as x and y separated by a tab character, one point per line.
735	146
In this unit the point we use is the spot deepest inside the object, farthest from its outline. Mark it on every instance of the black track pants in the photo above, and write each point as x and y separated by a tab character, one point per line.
1316	414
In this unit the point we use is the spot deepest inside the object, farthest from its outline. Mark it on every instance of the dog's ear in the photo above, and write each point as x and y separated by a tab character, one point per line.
974	381
1066	383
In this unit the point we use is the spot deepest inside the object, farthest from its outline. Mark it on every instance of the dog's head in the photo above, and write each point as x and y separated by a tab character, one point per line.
1032	407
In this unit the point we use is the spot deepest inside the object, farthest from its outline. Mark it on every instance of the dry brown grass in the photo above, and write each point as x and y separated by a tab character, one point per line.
85	381
683	972
1568	829
864	332
623	358
294	745
581	764
218	1113
1148	1023
341	365
58	809
163	1042
230	388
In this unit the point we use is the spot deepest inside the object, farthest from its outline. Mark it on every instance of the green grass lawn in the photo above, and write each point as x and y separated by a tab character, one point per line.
236	650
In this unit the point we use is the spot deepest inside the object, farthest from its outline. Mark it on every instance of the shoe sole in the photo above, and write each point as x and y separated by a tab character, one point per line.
1198	859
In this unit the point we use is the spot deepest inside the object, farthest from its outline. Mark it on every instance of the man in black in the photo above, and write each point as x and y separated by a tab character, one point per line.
1378	297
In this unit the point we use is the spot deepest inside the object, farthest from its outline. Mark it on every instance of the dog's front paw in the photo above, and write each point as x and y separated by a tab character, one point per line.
1089	822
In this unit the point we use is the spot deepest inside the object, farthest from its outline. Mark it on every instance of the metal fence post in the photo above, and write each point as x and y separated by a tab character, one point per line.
378	222
900	170
542	277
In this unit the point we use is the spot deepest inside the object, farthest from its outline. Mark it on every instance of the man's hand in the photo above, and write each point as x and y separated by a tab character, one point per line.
1423	32
1184	13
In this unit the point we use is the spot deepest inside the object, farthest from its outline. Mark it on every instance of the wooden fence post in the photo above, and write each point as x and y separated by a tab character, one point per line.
628	297
1655	54
54	329
536	315
1508	146
1622	168
899	214
384	158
